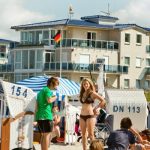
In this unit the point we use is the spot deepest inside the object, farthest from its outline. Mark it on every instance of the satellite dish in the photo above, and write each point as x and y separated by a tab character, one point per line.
70	9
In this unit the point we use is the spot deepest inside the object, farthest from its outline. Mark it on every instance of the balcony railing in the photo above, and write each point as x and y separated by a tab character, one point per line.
29	44
82	43
110	45
6	68
84	67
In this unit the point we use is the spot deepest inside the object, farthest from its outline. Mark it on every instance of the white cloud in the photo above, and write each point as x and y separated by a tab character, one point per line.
136	11
13	13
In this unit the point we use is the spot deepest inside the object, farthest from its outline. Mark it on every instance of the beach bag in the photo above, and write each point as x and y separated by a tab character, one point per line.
37	136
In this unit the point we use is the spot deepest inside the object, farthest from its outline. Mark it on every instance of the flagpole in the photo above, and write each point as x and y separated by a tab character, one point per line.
60	53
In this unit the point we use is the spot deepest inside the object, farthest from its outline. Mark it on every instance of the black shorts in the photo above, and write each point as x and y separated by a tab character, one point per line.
45	126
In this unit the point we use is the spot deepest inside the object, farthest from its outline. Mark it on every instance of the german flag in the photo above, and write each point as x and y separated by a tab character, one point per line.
57	37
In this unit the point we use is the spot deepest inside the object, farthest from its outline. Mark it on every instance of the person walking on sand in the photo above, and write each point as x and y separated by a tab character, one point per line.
43	114
87	116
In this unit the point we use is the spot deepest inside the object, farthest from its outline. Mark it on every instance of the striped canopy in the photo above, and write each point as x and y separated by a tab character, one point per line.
66	87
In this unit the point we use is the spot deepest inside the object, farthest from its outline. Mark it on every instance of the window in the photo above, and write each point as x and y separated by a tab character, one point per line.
138	38
127	38
138	62
47	57
147	48
18	60
3	48
25	59
52	37
138	84
2	55
126	83
147	84
100	60
147	62
127	61
52	57
46	35
45	39
31	37
39	59
32	59
91	36
24	37
38	37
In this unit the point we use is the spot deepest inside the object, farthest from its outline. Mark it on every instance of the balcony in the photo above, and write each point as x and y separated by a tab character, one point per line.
82	43
29	44
109	45
6	68
77	67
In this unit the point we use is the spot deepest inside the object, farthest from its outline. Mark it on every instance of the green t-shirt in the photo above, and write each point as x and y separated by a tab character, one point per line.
44	111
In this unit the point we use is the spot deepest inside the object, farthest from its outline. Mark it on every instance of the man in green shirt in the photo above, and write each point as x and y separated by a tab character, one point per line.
43	114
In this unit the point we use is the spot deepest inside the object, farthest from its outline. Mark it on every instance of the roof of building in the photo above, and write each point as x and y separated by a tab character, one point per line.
5	41
79	23
148	29
83	23
99	17
125	26
41	24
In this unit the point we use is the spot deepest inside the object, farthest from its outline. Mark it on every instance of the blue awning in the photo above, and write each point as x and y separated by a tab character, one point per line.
66	87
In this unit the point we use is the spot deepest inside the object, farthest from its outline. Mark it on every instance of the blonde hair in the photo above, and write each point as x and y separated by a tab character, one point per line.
96	145
82	90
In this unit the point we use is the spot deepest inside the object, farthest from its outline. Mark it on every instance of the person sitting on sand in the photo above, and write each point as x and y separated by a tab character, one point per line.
141	142
56	121
123	138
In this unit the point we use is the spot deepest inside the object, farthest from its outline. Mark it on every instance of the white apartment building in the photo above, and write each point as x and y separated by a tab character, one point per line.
6	70
84	45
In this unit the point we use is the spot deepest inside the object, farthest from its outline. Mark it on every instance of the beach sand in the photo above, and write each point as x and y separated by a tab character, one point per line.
61	146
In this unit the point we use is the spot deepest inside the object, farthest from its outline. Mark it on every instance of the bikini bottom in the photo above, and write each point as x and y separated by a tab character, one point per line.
85	117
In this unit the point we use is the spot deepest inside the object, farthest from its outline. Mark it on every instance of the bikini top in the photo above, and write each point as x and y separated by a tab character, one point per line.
87	100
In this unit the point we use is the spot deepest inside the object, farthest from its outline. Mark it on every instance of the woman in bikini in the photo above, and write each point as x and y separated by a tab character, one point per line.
87	116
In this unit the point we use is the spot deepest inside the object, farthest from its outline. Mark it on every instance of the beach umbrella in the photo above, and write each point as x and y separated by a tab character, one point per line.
66	87
100	80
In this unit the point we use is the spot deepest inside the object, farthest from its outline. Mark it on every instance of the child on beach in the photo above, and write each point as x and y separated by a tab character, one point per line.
56	121
96	145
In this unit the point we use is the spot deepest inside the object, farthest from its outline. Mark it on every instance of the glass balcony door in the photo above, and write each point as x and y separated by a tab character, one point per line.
49	58
91	36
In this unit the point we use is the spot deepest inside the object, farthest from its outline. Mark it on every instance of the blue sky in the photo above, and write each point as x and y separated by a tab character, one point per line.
59	8
16	12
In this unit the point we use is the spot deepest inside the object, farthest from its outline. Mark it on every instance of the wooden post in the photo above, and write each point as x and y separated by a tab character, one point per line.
5	134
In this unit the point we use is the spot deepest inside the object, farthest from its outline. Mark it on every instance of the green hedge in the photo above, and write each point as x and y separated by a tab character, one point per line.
147	95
